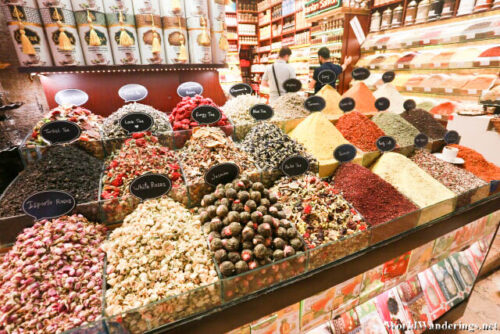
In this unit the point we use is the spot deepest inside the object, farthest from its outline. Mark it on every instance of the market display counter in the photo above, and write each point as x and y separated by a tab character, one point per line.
254	306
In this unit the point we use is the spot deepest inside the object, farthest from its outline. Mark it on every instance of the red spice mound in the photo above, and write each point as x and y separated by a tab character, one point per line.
180	118
359	130
491	52
477	164
445	108
377	200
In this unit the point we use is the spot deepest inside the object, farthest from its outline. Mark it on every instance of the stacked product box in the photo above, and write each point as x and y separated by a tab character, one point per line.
149	32
198	26
175	36
219	44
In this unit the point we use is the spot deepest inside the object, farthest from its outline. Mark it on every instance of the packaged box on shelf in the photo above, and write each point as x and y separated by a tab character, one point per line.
394	271
324	328
316	309
420	259
347	322
462	271
434	297
369	318
414	304
391	311
442	246
452	290
347	295
372	283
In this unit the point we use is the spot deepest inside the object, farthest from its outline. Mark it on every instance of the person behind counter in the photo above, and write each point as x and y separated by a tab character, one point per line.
326	64
277	73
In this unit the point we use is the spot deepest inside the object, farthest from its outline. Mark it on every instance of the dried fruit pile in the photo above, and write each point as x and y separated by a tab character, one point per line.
321	213
51	280
89	123
139	155
247	227
159	251
64	168
180	118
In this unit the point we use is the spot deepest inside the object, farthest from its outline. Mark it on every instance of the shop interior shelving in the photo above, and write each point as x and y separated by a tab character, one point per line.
244	310
446	35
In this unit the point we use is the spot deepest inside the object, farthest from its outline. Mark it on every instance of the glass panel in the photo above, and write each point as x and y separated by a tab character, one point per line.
262	277
437	210
394	227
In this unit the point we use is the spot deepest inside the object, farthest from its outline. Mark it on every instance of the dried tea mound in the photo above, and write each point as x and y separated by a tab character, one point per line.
321	213
238	108
410	180
289	106
159	251
269	146
209	146
397	127
457	180
247	227
52	277
113	129
377	200
425	123
65	168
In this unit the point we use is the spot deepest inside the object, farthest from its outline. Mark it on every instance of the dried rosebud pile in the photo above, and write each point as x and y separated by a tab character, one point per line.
89	123
159	251
247	227
180	118
321	213
51	280
139	155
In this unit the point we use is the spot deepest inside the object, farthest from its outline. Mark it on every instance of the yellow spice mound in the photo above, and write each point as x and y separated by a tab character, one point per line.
410	180
332	98
319	136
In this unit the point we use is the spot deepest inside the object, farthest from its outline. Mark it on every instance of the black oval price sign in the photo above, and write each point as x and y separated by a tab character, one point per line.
421	140
240	89
347	104
60	132
222	173
452	137
190	89
345	153
292	85
261	112
48	204
360	73
136	122
71	97
150	186
388	76
206	114
133	92
382	103
386	144
315	103
327	77
409	105
294	165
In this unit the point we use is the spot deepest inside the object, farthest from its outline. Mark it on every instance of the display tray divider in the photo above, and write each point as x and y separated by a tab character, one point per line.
254	306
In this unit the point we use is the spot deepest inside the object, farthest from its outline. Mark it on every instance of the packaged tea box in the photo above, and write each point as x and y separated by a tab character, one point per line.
414	304
26	31
176	39
316	309
391	310
200	42
420	259
91	22
369	318
122	32
346	323
149	31
434	297
452	290
218	30
60	27
462	271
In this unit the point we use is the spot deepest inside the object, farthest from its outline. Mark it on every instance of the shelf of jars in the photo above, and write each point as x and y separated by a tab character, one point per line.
484	26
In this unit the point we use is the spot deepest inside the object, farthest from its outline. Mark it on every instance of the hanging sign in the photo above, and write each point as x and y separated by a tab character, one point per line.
222	173
48	204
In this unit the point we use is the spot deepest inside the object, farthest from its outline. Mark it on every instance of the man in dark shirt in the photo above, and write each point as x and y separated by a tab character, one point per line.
326	64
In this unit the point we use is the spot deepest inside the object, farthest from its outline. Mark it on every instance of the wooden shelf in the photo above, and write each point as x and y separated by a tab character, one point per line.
118	68
226	317
338	12
387	4
247	11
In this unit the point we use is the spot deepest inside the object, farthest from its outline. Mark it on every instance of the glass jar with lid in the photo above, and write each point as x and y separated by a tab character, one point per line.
397	16
422	11
435	10
386	19
375	23
411	12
